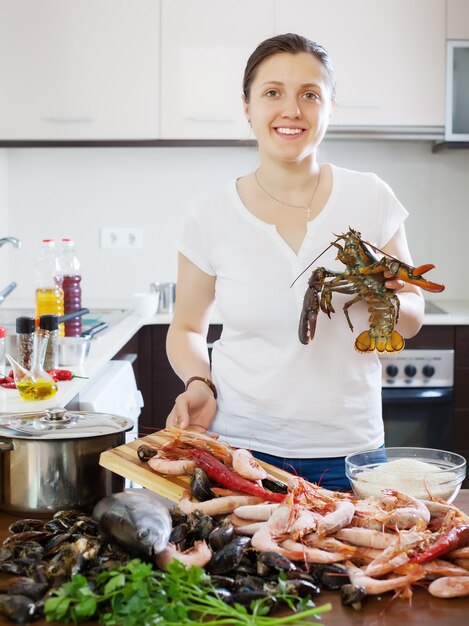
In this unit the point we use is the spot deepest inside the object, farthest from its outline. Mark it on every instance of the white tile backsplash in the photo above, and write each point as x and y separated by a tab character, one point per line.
74	192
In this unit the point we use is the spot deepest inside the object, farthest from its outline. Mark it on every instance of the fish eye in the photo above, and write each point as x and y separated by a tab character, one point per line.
143	534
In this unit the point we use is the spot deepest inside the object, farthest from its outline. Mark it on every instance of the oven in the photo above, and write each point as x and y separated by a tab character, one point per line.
417	398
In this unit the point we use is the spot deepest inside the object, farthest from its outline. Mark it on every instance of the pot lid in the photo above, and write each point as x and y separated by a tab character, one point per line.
58	423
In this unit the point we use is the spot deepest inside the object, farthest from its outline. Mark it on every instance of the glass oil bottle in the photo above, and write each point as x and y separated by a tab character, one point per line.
35	384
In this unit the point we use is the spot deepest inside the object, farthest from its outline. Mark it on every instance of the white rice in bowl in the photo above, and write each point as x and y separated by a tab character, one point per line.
409	476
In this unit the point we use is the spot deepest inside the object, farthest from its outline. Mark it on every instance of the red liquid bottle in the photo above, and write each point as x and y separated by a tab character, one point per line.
71	286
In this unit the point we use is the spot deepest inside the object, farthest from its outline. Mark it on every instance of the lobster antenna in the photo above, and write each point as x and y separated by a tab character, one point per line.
314	261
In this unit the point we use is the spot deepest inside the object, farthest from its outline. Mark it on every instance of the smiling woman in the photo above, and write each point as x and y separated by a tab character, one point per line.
296	406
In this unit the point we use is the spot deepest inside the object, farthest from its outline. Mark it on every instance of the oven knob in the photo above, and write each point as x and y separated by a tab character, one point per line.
392	370
410	370
428	371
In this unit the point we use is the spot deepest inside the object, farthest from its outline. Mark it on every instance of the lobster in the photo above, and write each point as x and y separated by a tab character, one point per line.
364	277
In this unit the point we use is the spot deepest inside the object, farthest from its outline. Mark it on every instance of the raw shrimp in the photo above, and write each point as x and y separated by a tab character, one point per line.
374	586
314	555
216	506
334	521
256	512
367	537
172	468
199	555
395	555
249	529
450	587
404	510
247	466
440	567
328	543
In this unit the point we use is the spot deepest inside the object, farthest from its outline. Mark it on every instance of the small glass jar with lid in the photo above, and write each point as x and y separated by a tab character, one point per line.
25	329
49	326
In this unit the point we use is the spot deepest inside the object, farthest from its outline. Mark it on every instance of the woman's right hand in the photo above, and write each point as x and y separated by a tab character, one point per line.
194	408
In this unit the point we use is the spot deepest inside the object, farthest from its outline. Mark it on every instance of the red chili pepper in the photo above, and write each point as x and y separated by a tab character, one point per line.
456	537
227	478
63	375
8	382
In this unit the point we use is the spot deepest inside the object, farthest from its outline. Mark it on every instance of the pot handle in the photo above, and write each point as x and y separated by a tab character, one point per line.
6	446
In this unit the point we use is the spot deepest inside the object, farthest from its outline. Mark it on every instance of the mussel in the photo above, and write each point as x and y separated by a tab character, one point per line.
18	608
272	484
220	536
229	557
330	576
352	595
201	485
268	561
145	453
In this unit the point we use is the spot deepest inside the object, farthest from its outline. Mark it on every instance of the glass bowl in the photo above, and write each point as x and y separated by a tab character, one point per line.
418	472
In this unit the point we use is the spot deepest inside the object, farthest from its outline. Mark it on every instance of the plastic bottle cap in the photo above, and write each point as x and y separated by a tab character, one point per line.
48	242
3	332
49	322
25	324
68	241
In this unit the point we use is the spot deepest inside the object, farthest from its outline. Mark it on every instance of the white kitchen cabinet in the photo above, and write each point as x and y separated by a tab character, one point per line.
457	19
204	48
79	70
389	57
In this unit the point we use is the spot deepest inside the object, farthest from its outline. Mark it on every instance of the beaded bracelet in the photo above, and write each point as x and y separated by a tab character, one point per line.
207	381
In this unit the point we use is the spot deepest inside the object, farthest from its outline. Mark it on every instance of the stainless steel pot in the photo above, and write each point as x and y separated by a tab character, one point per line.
74	350
49	460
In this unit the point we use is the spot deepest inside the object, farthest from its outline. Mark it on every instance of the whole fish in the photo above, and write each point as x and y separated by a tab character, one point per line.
136	520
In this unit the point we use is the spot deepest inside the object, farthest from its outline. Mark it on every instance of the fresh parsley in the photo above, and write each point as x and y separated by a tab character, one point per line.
135	594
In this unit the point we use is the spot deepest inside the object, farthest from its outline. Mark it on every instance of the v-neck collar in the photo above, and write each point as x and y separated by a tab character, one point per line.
271	229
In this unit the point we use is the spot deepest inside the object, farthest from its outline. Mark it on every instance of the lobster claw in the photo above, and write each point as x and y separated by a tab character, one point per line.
413	275
309	315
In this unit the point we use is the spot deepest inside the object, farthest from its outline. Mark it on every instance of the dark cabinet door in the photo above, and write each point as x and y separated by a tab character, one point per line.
155	376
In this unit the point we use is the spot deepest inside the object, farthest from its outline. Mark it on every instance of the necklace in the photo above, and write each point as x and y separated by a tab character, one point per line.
306	207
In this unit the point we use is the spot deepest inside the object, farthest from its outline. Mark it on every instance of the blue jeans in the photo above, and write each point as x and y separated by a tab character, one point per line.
329	472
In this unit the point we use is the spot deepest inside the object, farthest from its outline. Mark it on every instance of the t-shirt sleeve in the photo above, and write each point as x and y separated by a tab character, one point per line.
392	212
194	243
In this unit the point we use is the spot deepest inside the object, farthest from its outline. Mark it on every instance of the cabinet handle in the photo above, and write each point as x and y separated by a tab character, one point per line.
216	120
68	119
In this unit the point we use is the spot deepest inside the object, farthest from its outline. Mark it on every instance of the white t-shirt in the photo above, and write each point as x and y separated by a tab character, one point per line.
277	395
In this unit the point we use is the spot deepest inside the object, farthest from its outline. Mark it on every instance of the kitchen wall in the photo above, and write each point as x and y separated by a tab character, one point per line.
75	192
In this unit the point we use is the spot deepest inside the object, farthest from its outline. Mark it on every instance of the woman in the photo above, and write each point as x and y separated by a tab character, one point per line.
302	408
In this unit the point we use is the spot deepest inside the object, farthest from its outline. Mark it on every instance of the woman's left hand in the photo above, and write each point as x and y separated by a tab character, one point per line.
393	283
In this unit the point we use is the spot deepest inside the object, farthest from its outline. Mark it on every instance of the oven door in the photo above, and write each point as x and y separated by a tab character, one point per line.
418	417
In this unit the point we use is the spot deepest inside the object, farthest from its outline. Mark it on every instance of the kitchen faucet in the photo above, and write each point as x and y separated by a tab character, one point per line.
13	240
9	288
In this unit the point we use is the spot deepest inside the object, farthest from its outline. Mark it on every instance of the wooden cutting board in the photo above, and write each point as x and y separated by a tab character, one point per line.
124	461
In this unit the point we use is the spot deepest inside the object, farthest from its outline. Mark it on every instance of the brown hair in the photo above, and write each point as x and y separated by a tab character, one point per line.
292	43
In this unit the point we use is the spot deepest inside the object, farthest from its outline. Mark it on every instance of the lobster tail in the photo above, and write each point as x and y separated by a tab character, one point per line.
365	342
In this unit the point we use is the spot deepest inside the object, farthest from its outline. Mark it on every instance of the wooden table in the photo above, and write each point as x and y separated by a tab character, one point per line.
425	610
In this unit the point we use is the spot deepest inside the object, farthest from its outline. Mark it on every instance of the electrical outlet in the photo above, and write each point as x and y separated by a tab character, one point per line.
122	238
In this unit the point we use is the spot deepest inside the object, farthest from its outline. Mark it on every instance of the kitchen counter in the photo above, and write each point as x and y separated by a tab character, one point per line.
106	345
376	611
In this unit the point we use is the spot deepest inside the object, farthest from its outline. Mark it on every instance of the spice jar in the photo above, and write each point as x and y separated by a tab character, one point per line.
25	328
49	326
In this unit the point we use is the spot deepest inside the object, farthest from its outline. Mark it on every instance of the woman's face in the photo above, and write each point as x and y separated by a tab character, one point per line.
290	105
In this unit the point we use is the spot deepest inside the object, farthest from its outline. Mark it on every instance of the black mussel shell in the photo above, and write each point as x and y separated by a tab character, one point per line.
16	607
29	588
179	533
51	546
220	536
271	484
224	594
329	576
246	597
201	525
352	595
145	453
229	557
201	485
23	525
227	582
27	535
248	582
273	561
301	587
177	516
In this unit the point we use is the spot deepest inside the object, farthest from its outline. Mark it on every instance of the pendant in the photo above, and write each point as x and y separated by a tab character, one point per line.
308	211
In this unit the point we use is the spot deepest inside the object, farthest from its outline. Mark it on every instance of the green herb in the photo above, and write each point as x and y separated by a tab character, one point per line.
137	595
